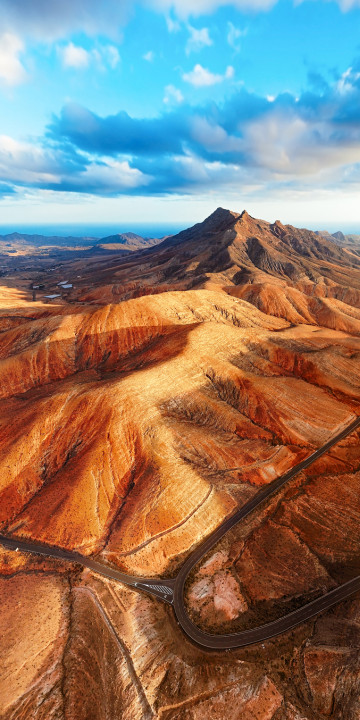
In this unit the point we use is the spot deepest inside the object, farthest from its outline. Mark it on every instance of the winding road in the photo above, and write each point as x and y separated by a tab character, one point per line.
172	590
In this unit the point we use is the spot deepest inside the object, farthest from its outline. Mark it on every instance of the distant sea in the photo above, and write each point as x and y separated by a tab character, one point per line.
97	231
152	230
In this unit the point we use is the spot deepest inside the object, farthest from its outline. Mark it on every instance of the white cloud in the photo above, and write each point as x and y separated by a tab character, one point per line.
198	39
149	56
347	82
173	26
25	164
234	35
75	56
184	9
51	20
349	4
109	177
213	137
345	5
112	55
229	73
195	173
172	95
12	71
202	77
284	144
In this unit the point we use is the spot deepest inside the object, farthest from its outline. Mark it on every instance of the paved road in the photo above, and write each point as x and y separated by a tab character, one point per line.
172	590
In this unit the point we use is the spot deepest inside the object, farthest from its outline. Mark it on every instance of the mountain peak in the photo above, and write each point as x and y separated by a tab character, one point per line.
221	215
220	211
245	215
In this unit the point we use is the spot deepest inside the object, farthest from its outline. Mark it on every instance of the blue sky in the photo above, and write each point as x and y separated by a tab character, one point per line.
147	110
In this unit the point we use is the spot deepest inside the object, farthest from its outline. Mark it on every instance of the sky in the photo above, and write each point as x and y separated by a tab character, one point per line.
159	111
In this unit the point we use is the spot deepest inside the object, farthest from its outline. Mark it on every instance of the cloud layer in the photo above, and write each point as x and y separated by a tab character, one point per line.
246	142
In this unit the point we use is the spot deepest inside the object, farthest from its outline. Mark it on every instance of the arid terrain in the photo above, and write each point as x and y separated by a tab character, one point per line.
125	404
350	243
21	252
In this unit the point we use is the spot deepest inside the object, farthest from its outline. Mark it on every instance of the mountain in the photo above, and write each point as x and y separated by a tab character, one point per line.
339	237
125	410
20	252
21	243
285	271
351	242
38	241
230	242
129	241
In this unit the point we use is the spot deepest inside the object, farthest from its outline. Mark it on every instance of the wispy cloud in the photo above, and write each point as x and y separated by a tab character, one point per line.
184	9
172	95
202	77
173	26
12	71
198	39
112	55
234	35
75	56
345	5
149	56
78	58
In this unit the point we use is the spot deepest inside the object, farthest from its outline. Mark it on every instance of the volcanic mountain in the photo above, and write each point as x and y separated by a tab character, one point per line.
24	251
290	273
350	243
126	409
228	243
125	241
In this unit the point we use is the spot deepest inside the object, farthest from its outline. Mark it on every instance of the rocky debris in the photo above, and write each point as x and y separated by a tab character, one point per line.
220	594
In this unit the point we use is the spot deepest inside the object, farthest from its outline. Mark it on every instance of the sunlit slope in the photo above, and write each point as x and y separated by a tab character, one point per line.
118	422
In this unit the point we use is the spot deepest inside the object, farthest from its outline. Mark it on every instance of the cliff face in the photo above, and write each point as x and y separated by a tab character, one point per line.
119	425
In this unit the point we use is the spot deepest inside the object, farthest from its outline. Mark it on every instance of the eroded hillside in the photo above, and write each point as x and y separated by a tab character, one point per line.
121	420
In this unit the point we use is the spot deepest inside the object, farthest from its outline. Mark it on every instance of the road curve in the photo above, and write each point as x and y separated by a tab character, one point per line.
161	588
264	632
172	590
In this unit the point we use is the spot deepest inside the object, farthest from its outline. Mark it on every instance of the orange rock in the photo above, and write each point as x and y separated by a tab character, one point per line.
276	564
134	419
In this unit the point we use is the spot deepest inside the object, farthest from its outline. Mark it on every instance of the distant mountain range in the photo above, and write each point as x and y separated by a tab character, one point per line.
24	244
350	242
128	241
288	272
214	246
38	241
125	241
